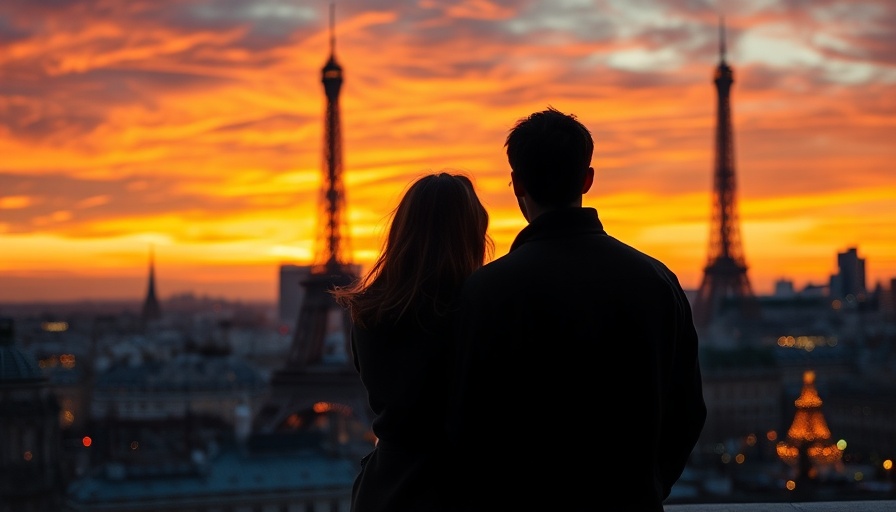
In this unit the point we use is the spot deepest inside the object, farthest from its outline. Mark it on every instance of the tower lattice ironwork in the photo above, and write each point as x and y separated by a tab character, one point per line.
318	373
725	275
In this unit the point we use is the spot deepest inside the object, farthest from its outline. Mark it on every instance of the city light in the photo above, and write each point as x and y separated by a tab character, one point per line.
54	326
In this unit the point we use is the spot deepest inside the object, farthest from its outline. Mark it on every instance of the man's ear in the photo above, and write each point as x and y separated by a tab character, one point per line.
518	189
589	180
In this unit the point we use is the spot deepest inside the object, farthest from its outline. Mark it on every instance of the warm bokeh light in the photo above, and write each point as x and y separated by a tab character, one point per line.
322	407
86	441
67	361
54	326
294	421
196	129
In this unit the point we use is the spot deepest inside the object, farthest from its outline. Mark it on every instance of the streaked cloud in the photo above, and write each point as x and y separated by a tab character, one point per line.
197	126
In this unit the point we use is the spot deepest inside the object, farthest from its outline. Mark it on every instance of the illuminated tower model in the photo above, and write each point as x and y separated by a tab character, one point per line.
151	309
318	376
725	274
808	447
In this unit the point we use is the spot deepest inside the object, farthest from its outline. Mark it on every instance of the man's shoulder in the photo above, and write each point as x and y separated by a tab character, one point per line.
501	265
492	274
635	254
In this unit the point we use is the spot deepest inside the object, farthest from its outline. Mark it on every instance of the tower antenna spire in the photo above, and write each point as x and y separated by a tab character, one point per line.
722	37
332	28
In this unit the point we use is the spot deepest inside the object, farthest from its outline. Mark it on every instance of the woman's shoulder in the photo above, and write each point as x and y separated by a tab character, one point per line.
411	323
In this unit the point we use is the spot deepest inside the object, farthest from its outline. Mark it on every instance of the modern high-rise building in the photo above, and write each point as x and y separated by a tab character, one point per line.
850	276
291	291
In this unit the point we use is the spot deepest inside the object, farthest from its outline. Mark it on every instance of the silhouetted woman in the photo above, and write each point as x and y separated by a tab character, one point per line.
402	313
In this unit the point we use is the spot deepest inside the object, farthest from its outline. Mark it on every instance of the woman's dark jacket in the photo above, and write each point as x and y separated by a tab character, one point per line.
404	367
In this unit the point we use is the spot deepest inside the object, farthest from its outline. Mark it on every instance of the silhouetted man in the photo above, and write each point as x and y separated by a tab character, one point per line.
579	385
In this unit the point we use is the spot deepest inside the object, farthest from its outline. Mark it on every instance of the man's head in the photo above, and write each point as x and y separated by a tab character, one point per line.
550	155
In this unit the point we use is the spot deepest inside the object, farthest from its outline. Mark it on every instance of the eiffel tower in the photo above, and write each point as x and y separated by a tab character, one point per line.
318	376
725	282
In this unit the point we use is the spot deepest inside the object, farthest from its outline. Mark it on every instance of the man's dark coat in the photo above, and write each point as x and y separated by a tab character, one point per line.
579	386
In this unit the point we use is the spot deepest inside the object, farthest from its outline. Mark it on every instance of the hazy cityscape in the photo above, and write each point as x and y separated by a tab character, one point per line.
153	405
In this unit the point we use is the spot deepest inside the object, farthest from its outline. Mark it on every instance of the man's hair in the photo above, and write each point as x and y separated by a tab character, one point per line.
550	152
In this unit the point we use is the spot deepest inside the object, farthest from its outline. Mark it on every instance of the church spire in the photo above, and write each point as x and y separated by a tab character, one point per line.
151	309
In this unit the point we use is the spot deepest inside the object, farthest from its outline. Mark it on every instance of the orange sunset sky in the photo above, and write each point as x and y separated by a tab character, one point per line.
195	127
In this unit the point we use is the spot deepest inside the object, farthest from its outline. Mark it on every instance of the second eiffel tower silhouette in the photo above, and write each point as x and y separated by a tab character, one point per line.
318	377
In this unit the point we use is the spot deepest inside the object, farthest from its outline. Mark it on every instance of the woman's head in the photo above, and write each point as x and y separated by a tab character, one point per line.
437	237
440	221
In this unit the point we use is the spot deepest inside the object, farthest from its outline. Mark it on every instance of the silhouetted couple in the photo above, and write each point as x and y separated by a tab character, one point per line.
562	376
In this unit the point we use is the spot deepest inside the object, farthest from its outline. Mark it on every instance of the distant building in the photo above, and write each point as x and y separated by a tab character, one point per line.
30	469
291	292
815	290
188	384
850	277
888	302
277	475
784	288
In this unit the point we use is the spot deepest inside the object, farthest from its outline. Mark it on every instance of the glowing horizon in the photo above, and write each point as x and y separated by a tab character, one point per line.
197	128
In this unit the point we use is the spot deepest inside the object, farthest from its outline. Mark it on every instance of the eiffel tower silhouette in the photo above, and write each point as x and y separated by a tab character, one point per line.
725	283
318	376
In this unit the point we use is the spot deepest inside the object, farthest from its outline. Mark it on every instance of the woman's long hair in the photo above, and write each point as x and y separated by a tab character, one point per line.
438	237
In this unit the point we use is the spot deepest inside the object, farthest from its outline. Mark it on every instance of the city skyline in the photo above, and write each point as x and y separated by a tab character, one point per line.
197	128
